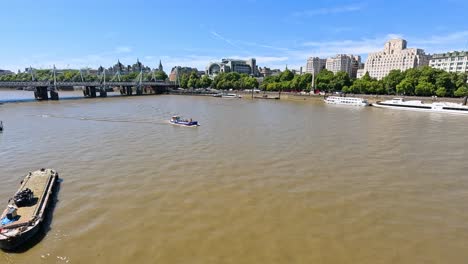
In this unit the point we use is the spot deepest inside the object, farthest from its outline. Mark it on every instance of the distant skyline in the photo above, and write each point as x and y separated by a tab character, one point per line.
78	34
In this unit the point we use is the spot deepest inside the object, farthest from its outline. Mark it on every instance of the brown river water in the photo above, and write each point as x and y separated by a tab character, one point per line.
261	181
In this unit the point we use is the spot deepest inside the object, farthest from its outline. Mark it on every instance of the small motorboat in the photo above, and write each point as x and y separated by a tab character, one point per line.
177	120
25	211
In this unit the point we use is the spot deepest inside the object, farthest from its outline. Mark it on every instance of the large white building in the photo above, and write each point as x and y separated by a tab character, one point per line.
315	65
344	62
230	65
394	56
455	61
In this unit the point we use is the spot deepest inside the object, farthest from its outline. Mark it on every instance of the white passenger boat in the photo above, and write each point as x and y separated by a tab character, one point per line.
231	96
416	105
346	101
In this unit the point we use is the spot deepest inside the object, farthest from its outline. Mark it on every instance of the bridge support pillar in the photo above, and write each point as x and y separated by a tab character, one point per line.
89	91
54	95
139	90
92	92
159	89
129	90
41	93
102	92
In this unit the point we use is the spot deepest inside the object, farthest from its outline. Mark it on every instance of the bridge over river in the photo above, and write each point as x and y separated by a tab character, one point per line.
49	88
45	90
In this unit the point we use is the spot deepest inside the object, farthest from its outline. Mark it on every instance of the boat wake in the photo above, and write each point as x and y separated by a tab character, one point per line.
114	120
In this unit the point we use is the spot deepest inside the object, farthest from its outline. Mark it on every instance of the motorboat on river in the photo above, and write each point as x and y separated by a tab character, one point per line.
417	105
25	211
177	120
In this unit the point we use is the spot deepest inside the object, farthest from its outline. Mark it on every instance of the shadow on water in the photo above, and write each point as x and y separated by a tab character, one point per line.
45	225
26	100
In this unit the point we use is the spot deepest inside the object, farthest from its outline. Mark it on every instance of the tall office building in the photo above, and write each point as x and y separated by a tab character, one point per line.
345	63
315	65
394	56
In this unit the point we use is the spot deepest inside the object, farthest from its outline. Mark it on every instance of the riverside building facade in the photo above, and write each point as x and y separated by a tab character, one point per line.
178	71
344	62
395	55
454	61
315	65
230	65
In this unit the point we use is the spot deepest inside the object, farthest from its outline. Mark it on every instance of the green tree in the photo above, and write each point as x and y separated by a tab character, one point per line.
405	87
461	91
160	75
183	81
232	76
424	88
192	83
324	80
192	80
339	80
391	81
427	74
273	86
205	81
443	80
250	83
441	92
287	75
267	80
366	85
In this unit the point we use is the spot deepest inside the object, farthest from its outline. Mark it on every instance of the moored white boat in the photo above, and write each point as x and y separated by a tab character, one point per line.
231	96
346	101
417	105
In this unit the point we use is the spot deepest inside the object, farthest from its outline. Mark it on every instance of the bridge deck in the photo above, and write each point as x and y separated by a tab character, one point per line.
91	84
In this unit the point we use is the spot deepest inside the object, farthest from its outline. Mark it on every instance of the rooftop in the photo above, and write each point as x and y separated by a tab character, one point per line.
450	54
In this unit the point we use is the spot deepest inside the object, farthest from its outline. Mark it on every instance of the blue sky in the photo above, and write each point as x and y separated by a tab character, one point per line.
90	33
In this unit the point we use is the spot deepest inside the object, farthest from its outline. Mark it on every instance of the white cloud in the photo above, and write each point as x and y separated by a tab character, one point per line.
443	43
330	48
